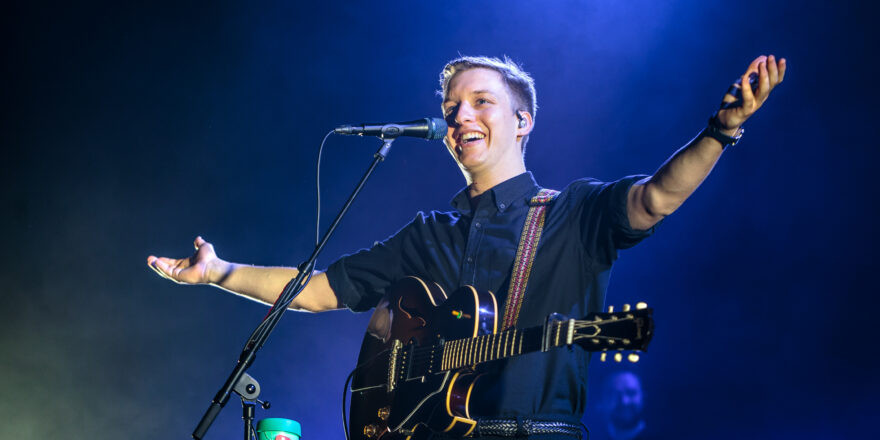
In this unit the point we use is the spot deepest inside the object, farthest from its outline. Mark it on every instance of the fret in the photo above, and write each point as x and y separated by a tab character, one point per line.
464	353
470	352
520	343
451	357
479	354
489	339
477	344
474	350
473	357
463	359
556	339
484	342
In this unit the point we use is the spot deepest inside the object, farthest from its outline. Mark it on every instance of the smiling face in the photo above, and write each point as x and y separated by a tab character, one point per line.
484	130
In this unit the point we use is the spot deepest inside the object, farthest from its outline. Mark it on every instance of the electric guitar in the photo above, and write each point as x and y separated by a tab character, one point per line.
416	365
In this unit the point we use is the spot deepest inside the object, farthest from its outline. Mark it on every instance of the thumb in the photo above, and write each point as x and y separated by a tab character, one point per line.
199	241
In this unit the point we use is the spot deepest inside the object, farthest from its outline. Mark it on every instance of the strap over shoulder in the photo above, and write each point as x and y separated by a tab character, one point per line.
525	254
544	197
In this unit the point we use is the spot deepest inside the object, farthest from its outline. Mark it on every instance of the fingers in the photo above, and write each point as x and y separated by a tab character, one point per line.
753	68
199	242
782	65
732	94
747	94
772	70
167	268
151	262
763	82
159	268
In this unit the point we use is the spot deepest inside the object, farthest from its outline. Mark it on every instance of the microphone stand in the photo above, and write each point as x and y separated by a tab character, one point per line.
291	291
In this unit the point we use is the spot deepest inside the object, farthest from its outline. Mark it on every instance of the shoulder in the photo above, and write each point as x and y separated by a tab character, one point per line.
588	188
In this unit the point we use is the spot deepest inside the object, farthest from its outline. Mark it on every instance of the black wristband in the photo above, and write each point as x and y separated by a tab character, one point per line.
713	130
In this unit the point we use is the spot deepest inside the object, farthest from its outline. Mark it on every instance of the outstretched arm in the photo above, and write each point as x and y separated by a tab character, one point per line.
262	284
661	194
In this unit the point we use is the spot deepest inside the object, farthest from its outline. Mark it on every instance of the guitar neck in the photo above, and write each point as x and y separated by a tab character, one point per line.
485	348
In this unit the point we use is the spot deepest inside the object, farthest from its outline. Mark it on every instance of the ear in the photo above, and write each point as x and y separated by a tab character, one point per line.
525	124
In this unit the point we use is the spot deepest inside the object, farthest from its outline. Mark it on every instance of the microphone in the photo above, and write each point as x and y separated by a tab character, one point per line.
428	128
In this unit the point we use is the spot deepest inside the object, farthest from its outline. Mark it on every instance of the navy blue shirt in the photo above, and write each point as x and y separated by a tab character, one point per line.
476	245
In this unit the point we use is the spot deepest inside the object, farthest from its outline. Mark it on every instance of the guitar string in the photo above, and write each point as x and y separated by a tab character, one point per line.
479	349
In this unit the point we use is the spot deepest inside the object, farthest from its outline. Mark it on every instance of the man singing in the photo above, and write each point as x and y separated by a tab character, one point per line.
490	107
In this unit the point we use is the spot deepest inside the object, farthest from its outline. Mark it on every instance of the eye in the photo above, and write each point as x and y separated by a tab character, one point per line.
481	101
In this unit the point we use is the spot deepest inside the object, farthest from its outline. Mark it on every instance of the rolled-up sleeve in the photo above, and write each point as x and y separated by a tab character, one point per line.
361	279
603	216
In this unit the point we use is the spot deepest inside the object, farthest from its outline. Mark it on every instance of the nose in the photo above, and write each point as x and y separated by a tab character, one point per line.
463	113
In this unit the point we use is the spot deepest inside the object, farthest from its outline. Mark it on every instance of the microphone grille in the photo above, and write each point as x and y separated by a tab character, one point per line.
437	128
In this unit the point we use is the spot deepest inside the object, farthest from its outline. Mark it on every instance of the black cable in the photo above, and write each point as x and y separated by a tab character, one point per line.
348	380
344	397
275	309
318	190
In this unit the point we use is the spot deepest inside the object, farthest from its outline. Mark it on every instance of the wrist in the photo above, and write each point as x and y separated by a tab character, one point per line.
218	271
724	135
731	132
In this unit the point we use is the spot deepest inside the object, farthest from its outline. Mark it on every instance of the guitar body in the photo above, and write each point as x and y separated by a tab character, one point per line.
416	370
416	314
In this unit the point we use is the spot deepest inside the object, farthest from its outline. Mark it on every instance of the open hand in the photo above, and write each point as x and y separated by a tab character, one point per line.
736	109
200	268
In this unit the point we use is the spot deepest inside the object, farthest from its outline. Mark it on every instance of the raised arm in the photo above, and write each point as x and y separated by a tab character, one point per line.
661	194
263	284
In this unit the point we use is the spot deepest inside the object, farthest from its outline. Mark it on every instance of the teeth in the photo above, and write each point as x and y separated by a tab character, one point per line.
467	137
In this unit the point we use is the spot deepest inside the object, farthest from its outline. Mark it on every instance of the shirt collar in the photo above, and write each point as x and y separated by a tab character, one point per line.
504	194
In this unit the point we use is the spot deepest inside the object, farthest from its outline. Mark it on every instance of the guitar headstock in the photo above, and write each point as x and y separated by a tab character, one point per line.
630	329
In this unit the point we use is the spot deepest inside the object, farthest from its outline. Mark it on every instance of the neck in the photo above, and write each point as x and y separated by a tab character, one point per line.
480	182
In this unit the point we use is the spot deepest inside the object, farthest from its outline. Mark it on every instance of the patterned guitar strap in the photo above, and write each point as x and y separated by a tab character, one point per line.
525	254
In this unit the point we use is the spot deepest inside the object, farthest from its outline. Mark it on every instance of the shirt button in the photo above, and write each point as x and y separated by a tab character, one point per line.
477	225
501	205
470	259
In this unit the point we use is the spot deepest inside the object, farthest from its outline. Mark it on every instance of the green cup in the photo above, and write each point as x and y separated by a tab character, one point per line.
278	429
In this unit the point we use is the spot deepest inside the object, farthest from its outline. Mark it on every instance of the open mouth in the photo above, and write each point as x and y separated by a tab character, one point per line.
468	139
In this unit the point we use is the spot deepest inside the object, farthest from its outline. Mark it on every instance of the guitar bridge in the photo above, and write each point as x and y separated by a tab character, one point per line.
392	364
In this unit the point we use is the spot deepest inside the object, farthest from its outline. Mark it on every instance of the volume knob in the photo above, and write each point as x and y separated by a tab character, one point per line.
384	412
370	431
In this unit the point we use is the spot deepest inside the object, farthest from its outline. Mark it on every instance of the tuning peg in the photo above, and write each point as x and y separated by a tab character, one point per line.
618	357
641	305
610	309
603	356
633	357
626	307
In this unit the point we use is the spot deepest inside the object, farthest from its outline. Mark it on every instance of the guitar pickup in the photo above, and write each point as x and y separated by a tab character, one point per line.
392	365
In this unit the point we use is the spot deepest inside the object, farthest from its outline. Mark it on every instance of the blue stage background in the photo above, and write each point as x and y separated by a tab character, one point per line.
130	129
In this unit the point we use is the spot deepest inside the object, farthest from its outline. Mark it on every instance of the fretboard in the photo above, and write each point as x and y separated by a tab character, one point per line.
471	351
